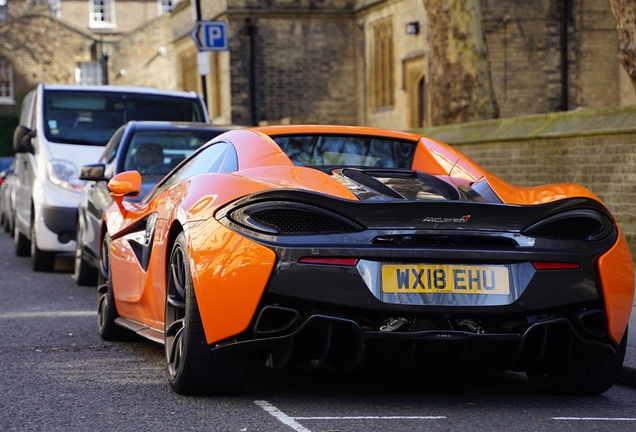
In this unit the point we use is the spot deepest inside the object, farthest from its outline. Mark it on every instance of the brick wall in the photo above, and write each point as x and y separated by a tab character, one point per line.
146	57
304	69
34	61
593	148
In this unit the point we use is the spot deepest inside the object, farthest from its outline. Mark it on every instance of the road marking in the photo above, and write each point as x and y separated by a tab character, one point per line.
291	421
595	418
281	416
46	314
372	418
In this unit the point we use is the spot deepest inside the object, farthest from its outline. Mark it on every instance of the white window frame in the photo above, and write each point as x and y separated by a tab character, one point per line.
88	73
101	14
3	10
165	6
6	82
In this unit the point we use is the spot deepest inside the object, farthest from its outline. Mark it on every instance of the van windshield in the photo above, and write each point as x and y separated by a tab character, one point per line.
91	117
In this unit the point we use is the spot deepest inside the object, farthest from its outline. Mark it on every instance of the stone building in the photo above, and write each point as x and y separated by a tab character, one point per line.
313	61
84	42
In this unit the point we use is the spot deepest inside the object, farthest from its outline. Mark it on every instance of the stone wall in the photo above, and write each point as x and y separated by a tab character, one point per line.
593	148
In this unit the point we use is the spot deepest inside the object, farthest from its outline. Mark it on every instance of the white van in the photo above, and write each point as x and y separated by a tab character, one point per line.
63	127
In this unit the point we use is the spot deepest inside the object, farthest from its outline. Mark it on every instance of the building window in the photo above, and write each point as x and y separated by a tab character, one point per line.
415	88
382	65
165	6
89	73
102	13
215	102
189	71
6	82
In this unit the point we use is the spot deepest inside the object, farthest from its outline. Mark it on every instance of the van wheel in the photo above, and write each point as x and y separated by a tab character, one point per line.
41	261
21	243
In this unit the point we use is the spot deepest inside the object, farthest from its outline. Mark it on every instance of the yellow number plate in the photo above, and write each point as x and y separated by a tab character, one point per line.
452	279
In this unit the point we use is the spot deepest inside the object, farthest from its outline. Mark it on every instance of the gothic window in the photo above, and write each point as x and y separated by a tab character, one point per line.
415	87
6	81
102	13
382	65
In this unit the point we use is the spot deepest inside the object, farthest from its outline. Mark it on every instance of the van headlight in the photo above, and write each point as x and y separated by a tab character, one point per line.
64	174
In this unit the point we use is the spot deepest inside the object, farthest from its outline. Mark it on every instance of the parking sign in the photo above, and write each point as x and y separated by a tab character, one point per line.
210	35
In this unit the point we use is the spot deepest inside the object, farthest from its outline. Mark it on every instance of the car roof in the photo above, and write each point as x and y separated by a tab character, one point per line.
112	88
169	125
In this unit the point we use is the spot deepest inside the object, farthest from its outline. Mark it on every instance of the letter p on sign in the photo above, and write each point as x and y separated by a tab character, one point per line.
210	35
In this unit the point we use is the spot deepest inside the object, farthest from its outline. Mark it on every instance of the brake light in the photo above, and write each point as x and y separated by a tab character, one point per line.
329	261
555	265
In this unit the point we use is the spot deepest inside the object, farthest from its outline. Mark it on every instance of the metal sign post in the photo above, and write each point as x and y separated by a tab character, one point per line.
208	36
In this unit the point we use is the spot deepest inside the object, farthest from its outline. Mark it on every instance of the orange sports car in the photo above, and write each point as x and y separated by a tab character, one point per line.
350	247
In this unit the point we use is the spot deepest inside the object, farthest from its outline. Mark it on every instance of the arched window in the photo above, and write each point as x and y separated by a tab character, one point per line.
415	87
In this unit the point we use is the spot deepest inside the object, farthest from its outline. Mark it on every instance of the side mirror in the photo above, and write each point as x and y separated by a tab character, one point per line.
22	140
124	184
94	172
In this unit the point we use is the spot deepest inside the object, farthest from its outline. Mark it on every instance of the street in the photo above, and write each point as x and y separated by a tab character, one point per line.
57	374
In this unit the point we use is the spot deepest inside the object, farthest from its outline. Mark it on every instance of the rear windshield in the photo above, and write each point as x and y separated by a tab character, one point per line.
347	150
91	118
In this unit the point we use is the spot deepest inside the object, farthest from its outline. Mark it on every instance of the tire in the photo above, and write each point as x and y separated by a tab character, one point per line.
586	372
192	366
41	261
84	273
21	244
106	308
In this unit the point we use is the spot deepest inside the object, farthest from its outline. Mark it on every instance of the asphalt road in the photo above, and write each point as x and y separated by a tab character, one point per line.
58	375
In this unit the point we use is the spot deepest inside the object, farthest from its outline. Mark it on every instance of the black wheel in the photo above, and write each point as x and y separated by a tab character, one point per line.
6	224
586	373
84	273
192	366
22	245
106	309
41	261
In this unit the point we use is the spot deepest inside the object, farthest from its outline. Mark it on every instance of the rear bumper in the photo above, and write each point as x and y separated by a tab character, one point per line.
322	341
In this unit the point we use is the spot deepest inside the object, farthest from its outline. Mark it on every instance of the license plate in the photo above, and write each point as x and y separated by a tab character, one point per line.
451	279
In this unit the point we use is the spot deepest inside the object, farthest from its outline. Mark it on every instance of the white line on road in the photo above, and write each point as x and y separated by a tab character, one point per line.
46	314
595	418
284	418
291	421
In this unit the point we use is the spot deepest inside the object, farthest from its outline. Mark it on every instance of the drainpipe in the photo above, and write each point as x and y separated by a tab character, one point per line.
251	32
566	10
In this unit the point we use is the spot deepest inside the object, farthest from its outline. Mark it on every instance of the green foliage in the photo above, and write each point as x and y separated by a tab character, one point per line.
8	123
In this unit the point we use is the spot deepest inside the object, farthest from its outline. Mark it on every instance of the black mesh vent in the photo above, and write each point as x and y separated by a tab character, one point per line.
579	228
292	221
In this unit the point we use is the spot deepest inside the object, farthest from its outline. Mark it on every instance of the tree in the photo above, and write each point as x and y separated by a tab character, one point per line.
459	69
625	13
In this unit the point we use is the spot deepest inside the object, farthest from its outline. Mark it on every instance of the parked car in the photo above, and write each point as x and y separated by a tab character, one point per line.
5	162
153	148
344	247
63	127
7	169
